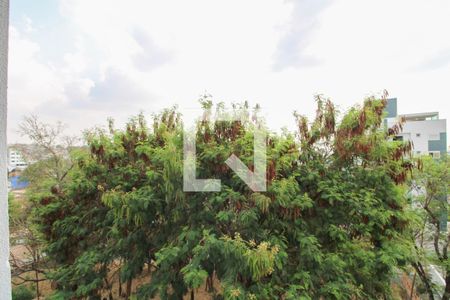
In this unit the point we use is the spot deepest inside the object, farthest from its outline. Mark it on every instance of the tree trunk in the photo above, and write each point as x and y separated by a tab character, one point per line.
192	295
412	286
446	295
425	279
129	284
109	286
37	284
36	272
120	287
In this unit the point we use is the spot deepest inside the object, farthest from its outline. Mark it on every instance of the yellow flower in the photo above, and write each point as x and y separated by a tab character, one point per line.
226	238
236	292
275	249
263	246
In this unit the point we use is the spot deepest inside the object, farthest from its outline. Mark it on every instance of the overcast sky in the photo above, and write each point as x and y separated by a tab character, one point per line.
81	61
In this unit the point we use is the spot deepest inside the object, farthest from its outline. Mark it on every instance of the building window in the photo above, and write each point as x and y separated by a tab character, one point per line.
398	138
435	154
417	134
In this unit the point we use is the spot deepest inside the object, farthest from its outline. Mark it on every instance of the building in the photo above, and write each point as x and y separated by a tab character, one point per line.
15	159
425	130
16	164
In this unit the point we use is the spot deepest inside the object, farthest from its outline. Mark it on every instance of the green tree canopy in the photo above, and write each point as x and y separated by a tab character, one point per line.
332	223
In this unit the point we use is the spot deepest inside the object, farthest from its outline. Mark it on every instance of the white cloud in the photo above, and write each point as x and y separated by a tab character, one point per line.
30	82
120	56
292	49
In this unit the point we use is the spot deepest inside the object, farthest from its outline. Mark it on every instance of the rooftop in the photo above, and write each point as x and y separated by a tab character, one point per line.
421	116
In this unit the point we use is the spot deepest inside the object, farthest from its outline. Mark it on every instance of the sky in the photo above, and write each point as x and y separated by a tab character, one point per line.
82	61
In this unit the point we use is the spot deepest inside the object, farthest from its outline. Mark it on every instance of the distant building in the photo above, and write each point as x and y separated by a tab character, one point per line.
16	164
16	160
427	132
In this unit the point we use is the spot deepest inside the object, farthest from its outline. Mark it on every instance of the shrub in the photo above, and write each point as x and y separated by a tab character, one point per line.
22	293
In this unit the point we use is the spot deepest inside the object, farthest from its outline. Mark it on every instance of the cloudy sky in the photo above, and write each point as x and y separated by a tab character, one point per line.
81	61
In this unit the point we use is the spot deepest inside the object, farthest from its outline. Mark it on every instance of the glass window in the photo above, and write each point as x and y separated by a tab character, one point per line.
435	154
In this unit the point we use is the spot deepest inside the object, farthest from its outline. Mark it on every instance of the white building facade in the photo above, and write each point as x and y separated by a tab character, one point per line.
16	160
426	131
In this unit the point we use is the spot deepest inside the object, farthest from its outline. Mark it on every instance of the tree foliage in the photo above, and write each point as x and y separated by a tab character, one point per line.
333	223
429	188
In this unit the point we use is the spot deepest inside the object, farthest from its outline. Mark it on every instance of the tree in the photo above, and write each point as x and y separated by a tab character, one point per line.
49	159
25	233
34	261
429	187
49	154
333	223
96	220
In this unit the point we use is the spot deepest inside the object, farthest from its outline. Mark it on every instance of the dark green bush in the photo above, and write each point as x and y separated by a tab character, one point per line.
22	293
